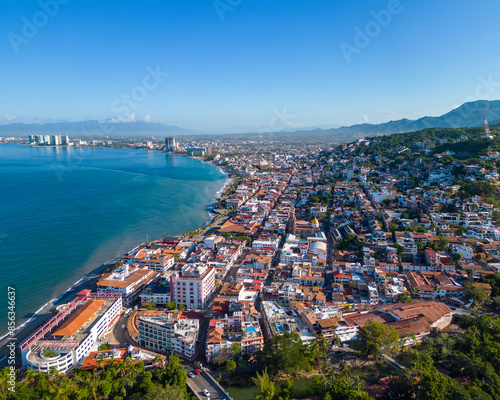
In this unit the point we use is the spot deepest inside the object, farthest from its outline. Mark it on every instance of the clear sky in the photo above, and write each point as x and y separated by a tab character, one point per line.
241	65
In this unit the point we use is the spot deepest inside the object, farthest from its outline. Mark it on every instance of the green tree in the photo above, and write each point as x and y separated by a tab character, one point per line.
151	305
284	353
286	391
235	349
378	339
476	293
265	386
405	297
170	305
181	307
231	365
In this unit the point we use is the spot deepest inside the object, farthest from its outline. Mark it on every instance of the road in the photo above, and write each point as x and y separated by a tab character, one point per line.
200	382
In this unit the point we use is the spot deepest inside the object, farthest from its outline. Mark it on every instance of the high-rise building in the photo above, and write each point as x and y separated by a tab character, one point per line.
350	172
170	144
193	286
65	140
55	140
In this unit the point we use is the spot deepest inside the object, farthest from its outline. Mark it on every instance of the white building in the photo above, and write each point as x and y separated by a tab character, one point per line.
193	286
167	333
70	340
129	282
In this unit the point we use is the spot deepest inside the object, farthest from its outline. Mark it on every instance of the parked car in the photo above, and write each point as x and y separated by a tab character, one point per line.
207	393
196	371
191	375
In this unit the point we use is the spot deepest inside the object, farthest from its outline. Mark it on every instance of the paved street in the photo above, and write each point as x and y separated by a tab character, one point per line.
200	382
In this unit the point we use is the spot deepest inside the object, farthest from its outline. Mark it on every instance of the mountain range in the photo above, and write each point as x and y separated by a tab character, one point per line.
94	128
467	115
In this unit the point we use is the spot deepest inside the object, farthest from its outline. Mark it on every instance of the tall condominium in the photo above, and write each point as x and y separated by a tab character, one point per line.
193	286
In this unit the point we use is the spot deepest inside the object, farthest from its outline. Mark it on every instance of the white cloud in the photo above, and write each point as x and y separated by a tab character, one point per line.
10	117
124	118
147	118
365	118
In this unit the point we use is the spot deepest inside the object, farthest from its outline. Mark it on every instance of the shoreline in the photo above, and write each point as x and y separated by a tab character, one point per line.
87	280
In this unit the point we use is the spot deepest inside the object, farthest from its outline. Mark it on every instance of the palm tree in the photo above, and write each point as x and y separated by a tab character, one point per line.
323	345
158	361
265	386
315	351
345	371
357	383
100	360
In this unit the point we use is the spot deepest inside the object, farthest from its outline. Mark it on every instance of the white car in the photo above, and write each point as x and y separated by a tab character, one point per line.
207	393
191	375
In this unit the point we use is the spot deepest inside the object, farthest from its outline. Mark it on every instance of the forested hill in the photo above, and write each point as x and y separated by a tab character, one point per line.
440	139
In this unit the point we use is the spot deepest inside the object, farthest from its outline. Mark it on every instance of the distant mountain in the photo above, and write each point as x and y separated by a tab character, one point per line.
92	128
468	115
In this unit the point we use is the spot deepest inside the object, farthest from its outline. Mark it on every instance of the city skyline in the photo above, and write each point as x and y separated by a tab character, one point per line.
236	66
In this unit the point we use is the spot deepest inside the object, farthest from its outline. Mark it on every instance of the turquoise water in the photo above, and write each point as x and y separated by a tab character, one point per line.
65	211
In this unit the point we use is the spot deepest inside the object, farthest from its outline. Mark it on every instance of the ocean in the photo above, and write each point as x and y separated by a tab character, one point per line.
65	211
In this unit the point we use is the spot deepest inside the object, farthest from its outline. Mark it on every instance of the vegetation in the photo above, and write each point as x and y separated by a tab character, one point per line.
49	353
284	353
339	386
377	339
471	360
476	293
264	385
405	298
118	381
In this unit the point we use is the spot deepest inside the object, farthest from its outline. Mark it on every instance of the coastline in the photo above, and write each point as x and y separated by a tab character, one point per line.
86	280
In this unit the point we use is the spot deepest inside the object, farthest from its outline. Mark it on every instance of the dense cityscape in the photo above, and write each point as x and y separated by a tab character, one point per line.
367	269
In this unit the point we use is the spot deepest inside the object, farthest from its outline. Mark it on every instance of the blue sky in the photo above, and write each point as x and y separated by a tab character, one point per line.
239	65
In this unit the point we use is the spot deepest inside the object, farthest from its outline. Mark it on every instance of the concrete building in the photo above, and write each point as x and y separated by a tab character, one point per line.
167	332
193	286
170	144
66	339
128	282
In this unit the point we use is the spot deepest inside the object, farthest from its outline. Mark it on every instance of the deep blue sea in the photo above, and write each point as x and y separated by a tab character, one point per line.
65	211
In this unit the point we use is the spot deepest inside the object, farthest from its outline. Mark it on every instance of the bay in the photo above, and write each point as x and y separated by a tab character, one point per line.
65	211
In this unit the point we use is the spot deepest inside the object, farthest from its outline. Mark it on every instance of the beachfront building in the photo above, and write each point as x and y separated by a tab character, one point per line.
166	332
66	339
193	286
128	282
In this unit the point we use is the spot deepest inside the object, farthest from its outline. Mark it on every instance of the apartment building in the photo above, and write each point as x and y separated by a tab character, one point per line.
193	286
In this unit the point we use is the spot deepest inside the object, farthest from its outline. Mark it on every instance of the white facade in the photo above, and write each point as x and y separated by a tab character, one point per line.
193	286
68	357
169	334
